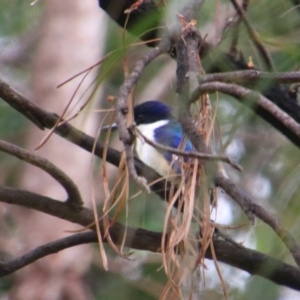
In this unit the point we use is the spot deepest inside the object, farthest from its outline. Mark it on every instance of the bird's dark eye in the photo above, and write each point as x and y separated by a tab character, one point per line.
139	118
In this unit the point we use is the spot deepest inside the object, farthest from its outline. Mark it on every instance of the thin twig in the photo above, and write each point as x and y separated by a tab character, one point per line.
254	36
46	119
248	204
74	198
227	252
235	25
188	73
9	267
254	97
238	256
6	92
252	76
188	77
122	109
188	154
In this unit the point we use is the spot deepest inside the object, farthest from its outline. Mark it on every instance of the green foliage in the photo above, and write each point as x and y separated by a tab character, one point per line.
17	16
270	162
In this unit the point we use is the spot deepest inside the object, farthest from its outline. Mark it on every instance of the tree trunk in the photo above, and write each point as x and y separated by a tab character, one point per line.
69	43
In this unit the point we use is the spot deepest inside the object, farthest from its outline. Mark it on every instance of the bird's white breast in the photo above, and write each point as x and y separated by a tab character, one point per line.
148	154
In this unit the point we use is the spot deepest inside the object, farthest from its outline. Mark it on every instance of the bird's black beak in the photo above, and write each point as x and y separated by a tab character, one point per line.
112	127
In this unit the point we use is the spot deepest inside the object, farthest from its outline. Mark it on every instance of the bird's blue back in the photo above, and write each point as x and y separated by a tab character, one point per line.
156	121
171	135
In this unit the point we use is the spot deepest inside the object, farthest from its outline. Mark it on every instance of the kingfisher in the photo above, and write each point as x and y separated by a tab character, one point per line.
156	121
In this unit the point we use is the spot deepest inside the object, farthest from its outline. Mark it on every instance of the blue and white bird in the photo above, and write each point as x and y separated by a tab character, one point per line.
155	120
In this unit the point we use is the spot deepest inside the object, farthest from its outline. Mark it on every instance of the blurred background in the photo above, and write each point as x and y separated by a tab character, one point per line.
45	44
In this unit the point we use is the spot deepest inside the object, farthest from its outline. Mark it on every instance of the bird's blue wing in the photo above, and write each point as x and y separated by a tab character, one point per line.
171	135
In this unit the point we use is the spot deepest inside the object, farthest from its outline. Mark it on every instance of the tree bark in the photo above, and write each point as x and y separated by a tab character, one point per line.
69	43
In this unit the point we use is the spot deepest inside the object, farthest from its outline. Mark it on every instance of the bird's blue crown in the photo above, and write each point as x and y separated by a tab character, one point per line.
152	111
155	120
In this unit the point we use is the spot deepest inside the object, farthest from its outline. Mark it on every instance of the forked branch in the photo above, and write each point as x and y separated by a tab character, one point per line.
74	197
248	204
230	253
122	106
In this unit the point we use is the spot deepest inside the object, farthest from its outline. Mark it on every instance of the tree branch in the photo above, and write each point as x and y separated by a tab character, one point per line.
254	36
74	197
243	77
214	60
48	120
230	253
245	200
257	263
85	217
9	267
188	154
135	23
188	68
278	118
126	135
